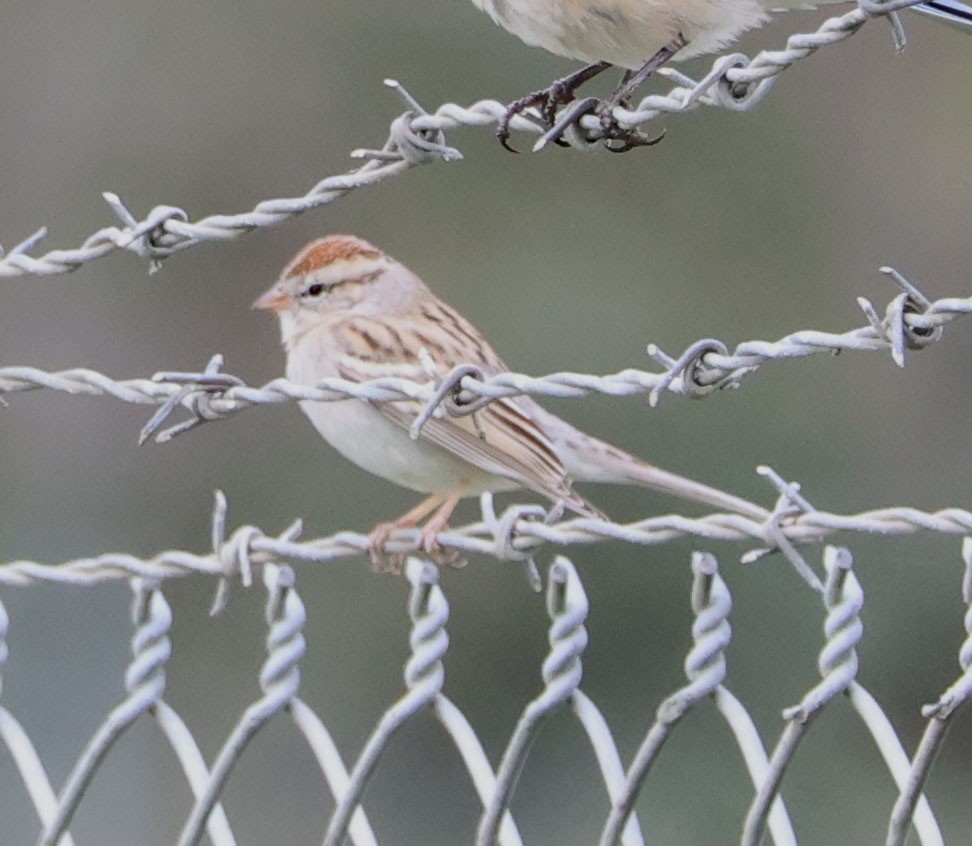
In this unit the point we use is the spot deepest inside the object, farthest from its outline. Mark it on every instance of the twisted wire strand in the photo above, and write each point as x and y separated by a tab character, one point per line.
279	681
567	607
910	802
167	229
251	546
705	669
145	684
910	321
22	751
416	137
838	663
735	82
424	676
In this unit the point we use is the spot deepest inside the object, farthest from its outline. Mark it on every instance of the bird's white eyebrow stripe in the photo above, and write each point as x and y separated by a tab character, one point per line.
363	279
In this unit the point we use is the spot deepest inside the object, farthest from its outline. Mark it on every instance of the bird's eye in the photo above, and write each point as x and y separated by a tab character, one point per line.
315	290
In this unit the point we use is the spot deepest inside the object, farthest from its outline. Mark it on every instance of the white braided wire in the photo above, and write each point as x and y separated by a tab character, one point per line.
252	546
911	321
735	83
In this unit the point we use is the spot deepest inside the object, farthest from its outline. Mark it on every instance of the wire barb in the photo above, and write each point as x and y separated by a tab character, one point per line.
249	546
416	137
705	367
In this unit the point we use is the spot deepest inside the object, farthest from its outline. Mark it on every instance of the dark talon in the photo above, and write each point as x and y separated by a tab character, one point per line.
558	93
561	93
504	138
636	139
629	136
571	115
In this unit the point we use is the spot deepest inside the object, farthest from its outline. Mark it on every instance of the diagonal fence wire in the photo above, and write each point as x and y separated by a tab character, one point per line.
567	604
706	669
910	777
416	137
145	683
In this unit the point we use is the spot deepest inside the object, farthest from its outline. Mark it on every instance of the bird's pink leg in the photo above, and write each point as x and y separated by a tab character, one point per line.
440	520
380	533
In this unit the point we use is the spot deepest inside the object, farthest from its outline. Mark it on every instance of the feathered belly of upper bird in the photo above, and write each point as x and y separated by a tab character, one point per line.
625	33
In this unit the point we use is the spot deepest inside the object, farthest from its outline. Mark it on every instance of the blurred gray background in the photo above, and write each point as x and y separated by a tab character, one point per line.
737	226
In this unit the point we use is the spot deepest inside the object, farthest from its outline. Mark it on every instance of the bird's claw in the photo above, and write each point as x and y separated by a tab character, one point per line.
547	99
429	544
628	136
611	131
559	93
567	118
394	562
381	560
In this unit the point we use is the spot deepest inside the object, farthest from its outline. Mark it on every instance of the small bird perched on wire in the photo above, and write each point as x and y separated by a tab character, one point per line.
639	36
349	311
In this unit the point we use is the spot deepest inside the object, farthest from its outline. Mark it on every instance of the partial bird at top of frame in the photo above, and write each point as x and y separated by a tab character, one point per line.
640	36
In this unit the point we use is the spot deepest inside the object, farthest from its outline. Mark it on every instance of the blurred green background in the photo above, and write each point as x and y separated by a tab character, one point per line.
738	226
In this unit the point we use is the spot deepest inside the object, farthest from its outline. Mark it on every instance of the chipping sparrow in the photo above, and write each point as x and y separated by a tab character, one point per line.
348	310
641	35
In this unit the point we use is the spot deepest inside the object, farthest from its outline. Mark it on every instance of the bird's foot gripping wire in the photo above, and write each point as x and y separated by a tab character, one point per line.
547	100
617	137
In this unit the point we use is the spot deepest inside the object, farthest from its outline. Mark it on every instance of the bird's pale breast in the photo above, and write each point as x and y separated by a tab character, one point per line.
363	435
625	32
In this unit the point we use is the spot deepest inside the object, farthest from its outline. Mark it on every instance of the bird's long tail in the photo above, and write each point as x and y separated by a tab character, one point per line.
650	476
588	459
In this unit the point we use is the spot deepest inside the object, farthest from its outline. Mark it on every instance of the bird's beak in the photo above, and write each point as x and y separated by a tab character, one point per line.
274	300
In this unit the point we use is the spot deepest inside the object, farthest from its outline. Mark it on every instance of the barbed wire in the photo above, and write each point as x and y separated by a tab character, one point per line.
735	83
910	321
515	535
